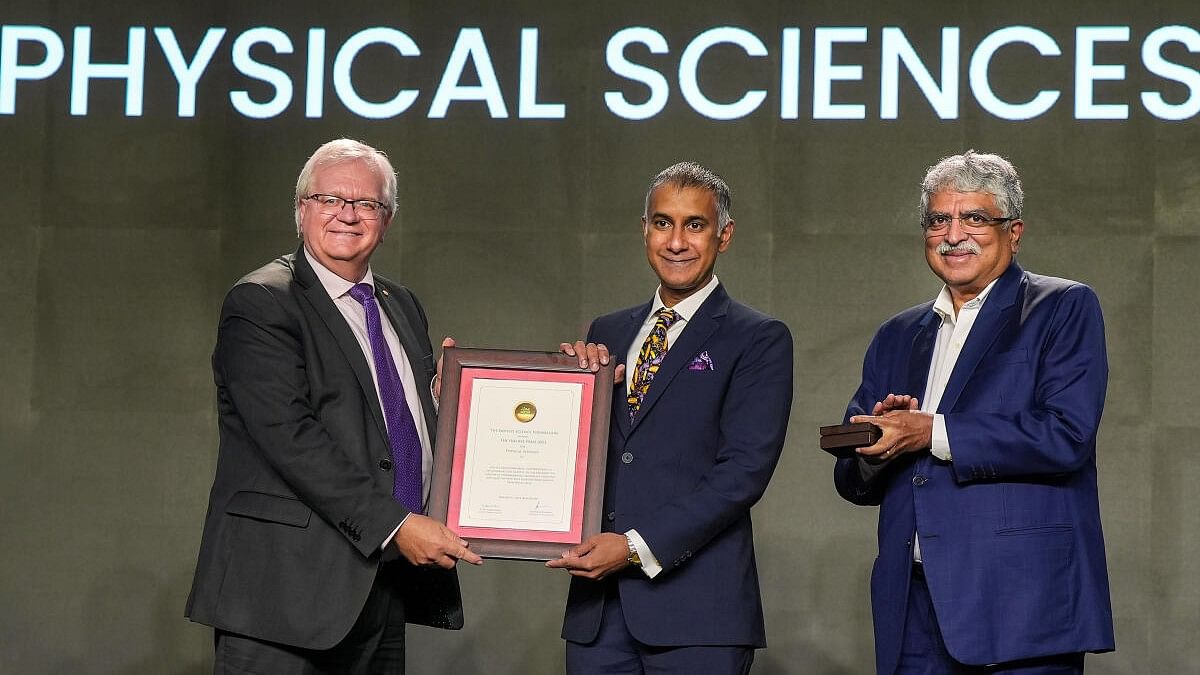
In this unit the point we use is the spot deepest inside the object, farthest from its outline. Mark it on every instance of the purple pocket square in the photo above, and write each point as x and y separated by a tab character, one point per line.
702	362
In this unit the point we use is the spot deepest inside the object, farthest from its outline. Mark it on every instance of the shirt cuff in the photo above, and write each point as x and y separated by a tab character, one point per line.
436	403
940	447
650	565
392	536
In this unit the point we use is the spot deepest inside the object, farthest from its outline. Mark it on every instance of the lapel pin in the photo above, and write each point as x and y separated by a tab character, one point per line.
384	291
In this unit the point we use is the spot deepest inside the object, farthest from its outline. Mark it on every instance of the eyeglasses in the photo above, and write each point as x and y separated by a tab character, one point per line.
974	222
330	205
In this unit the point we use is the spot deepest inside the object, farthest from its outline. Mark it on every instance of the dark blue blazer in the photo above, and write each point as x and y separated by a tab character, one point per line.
1010	529
685	473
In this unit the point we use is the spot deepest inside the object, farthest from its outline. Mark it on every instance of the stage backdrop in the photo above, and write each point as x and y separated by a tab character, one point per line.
149	155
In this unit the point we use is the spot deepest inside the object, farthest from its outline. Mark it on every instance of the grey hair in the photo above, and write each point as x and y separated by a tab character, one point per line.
976	172
344	150
693	175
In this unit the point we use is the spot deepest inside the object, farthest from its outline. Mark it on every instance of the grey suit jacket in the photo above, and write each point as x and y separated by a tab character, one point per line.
302	497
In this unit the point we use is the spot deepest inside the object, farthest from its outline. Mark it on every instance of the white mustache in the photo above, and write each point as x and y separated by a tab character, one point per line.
965	245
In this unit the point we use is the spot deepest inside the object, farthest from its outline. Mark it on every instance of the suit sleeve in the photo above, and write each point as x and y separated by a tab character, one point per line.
261	360
754	419
1055	434
852	482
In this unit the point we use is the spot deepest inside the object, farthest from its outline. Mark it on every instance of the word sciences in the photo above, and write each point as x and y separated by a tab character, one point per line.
287	77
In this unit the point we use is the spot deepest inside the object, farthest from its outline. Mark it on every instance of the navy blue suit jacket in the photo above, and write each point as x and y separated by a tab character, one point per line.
1010	529
685	473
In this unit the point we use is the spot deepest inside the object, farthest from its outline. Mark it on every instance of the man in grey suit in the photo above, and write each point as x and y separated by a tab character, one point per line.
315	551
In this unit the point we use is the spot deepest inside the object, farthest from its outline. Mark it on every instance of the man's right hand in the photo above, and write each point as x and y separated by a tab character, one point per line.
425	542
901	432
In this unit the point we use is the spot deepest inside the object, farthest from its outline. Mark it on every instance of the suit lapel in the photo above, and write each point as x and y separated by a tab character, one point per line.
323	305
695	333
996	312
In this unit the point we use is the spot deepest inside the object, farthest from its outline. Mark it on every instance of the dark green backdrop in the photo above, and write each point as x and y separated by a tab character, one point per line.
122	234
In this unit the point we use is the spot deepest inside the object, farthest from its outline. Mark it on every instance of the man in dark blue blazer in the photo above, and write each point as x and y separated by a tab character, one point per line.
671	585
991	556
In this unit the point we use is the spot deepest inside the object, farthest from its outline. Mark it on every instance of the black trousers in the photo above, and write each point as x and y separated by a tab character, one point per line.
374	645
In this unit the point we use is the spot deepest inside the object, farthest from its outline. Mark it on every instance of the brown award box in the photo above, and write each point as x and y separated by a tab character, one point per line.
840	440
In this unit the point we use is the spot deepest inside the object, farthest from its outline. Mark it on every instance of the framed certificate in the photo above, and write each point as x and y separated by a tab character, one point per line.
522	443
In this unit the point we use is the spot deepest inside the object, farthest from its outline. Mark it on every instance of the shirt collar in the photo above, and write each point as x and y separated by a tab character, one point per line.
334	285
944	304
687	307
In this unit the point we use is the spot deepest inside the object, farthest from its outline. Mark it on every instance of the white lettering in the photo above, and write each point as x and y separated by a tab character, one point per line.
897	48
188	74
789	78
314	92
278	79
344	87
982	58
1087	72
1155	63
824	73
689	63
615	57
132	71
11	71
469	44
527	105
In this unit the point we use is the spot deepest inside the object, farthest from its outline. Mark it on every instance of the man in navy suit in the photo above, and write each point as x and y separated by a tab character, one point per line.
991	556
671	586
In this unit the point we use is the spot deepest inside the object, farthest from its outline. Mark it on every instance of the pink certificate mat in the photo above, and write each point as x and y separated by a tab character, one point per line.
574	534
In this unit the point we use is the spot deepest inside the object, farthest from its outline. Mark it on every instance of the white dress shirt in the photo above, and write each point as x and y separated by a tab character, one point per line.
951	337
356	317
686	309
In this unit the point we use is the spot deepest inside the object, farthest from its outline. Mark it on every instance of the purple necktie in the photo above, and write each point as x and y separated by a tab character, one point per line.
402	432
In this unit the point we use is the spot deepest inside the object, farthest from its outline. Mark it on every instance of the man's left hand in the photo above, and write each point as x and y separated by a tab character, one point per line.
425	542
895	402
595	558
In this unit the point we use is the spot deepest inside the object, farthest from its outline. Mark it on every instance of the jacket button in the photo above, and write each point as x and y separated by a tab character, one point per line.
612	515
919	480
385	464
627	457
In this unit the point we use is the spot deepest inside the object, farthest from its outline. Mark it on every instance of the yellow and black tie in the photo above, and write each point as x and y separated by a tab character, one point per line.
649	358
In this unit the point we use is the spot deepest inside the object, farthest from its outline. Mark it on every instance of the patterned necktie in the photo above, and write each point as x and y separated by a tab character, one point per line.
649	358
402	431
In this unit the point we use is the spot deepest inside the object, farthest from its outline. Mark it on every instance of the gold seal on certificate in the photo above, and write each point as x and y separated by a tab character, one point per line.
525	411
